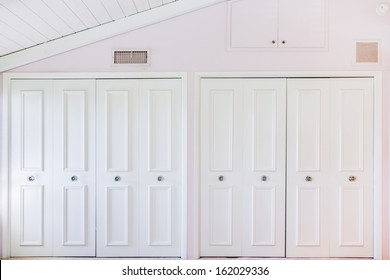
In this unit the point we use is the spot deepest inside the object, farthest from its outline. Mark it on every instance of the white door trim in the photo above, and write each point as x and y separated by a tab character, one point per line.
378	158
5	141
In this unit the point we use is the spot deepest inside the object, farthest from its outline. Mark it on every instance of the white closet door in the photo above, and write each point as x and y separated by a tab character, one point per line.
263	181
352	169
221	166
117	168
74	167
160	162
308	152
31	165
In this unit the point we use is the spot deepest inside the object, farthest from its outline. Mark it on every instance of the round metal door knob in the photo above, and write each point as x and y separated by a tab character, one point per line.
221	178
264	178
308	179
352	178
117	178
31	178
74	178
160	178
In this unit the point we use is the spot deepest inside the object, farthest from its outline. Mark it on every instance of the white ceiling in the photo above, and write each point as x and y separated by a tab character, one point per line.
28	23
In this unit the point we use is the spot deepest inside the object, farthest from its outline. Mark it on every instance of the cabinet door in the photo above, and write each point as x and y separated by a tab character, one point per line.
31	165
351	183
73	167
308	167
221	166
253	23
302	23
160	162
117	168
263	180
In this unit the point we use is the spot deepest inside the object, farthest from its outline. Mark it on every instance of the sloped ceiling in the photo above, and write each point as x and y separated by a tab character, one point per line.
34	29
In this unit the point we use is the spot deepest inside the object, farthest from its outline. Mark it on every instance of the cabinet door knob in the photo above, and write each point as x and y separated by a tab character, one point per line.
31	178
352	178
264	178
221	178
308	179
160	178
283	42
117	178
273	41
74	178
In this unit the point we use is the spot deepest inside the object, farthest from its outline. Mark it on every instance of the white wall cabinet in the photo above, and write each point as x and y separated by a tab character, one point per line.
243	167
136	151
329	159
330	168
278	24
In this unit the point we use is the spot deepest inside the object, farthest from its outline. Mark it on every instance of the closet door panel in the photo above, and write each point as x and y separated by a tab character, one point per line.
221	166
307	167
160	167
351	186
263	181
74	167
31	165
117	167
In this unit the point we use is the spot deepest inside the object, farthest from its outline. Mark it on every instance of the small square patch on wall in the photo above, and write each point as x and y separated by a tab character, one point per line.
367	52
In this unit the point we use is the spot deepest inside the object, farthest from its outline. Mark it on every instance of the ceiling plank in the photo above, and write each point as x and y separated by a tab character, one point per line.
10	32
168	1
128	7
155	3
32	19
102	32
142	5
65	14
113	9
7	43
40	8
82	12
98	10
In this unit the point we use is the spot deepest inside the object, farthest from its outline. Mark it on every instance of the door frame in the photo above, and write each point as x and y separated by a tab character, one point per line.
5	194
378	158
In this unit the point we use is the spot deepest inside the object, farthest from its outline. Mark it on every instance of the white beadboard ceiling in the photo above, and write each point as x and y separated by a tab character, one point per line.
34	29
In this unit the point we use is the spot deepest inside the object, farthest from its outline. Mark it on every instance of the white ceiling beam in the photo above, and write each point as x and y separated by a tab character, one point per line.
102	32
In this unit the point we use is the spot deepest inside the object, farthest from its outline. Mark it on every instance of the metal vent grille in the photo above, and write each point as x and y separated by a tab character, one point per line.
140	57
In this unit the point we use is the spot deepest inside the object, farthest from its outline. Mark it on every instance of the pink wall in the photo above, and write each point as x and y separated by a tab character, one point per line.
197	42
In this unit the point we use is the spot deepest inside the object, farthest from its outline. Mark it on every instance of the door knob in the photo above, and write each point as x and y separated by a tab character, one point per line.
220	178
117	178
273	41
283	42
264	178
74	178
308	179
352	178
31	178
160	178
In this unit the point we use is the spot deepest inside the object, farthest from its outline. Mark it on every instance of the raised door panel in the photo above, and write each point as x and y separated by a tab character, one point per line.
253	23
221	101
31	165
302	23
117	168
263	183
74	167
307	167
161	142
352	173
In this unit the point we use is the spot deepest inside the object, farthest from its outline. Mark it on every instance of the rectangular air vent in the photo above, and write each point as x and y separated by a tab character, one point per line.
131	57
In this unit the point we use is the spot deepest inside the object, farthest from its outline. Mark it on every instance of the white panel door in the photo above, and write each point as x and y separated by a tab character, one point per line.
352	168
31	165
117	168
307	167
221	166
263	181
74	167
329	168
242	167
160	163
